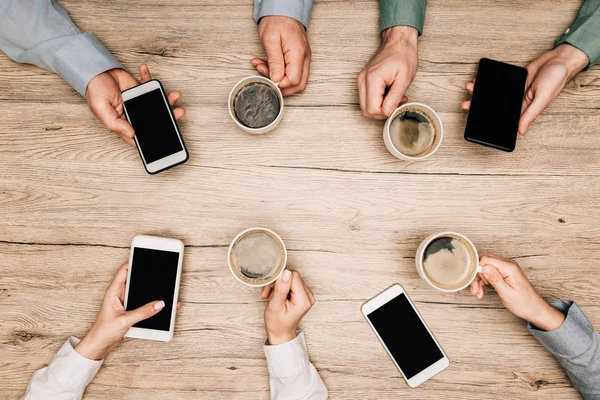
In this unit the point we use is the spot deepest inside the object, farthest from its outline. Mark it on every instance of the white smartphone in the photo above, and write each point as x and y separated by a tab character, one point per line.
154	274
157	135
405	336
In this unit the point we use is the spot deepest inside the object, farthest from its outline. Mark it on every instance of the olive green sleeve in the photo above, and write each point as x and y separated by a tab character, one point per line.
585	31
402	12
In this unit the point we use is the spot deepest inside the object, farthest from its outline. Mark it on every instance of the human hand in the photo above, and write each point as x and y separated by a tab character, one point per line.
290	301
104	99
393	66
113	321
516	292
546	78
288	53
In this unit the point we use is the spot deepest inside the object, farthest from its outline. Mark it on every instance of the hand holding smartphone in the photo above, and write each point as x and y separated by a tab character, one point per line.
157	134
154	274
405	336
495	111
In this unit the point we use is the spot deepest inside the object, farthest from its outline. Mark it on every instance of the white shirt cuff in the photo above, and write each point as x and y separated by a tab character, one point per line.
287	359
72	369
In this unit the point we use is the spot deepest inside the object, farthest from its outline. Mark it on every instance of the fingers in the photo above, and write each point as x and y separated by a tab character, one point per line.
362	94
110	118
145	73
299	296
394	97
272	43
375	90
266	291
173	97
477	288
178	113
303	81
144	312
532	111
179	305
311	296
129	141
117	286
470	86
494	277
261	66
281	291
505	267
294	65
466	105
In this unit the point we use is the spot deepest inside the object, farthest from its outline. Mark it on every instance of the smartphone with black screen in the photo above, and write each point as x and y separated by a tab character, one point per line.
405	336
495	110
154	274
157	135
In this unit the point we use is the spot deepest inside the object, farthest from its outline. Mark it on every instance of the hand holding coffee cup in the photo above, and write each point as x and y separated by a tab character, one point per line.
413	132
290	299
256	104
448	261
516	292
257	257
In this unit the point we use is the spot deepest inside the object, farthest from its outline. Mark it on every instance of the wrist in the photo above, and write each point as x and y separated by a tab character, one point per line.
92	348
280	337
400	35
547	318
574	59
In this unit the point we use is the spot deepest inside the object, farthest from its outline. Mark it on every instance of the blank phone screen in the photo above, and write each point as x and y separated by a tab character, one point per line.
154	129
496	105
153	277
405	336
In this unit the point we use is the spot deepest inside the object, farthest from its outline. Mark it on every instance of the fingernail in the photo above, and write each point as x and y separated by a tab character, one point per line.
159	306
287	274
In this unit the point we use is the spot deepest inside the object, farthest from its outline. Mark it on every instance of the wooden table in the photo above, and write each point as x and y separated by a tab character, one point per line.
72	196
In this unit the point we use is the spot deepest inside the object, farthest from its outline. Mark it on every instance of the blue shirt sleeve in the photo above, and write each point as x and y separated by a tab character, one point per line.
297	9
40	32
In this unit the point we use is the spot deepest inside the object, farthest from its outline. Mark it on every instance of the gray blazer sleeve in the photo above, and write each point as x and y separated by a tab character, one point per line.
576	345
40	32
297	9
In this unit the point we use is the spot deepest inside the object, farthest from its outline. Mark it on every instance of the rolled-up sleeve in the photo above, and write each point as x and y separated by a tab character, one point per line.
576	345
65	378
297	9
402	12
292	376
40	32
585	31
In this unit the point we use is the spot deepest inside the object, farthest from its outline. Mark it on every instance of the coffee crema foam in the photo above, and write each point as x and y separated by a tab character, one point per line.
256	105
448	262
257	257
413	132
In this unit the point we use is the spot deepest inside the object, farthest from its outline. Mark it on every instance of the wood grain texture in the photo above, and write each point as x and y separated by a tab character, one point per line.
72	195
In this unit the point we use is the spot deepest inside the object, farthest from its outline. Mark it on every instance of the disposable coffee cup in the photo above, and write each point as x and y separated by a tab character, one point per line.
430	115
439	277
257	257
241	85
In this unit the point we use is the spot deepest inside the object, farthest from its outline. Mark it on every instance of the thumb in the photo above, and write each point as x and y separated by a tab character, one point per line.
144	312
394	97
275	58
495	279
281	290
123	127
532	111
111	120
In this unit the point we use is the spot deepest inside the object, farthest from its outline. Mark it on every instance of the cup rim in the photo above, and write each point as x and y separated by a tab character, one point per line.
244	232
264	129
431	238
388	140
